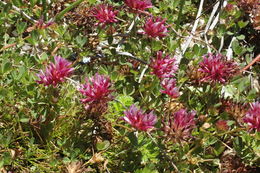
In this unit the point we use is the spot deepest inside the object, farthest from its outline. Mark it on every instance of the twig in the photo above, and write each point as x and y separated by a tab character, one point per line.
194	28
251	63
7	46
142	74
132	56
125	127
210	22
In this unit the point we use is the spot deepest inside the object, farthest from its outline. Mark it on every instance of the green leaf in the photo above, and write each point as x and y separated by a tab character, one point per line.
156	45
33	2
92	1
21	27
24	120
43	56
133	139
103	145
146	170
81	40
17	3
236	47
126	100
6	67
34	38
3	93
241	37
21	73
242	24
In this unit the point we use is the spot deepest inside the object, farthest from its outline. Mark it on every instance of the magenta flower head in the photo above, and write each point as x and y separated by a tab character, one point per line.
139	4
104	14
155	27
170	88
215	68
252	117
97	89
163	67
180	125
138	119
55	73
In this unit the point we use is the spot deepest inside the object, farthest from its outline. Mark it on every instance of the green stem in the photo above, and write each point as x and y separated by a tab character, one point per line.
179	15
44	7
70	7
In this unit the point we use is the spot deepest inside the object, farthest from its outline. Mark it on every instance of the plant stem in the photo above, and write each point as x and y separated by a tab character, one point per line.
175	167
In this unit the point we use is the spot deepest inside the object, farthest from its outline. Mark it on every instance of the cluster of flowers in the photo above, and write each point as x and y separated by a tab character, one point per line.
178	127
55	73
98	89
165	69
217	69
154	27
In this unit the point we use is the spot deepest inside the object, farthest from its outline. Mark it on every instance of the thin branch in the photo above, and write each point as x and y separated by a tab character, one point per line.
142	74
257	59
132	56
194	28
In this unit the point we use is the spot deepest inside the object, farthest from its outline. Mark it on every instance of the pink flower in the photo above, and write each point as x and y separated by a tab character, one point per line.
222	125
138	119
98	89
216	68
104	14
55	73
42	25
180	125
163	67
139	4
252	117
170	88
229	7
155	27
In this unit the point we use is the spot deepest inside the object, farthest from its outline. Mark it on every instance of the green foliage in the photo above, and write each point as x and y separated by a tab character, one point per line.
48	129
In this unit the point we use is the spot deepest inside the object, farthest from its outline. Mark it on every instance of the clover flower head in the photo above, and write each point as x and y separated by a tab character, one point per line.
164	67
229	7
222	125
55	73
216	68
104	14
138	119
155	27
139	4
170	88
97	89
180	125
252	117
